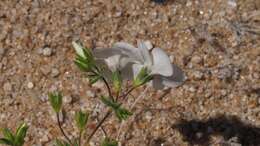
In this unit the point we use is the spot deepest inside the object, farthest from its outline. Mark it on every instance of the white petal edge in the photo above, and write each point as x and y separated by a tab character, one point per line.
161	63
147	60
136	69
129	50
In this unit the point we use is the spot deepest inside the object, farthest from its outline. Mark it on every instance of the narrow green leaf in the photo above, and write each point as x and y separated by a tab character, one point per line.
109	142
117	81
7	133
82	66
55	99
109	102
20	134
121	113
6	141
94	78
81	120
142	77
61	143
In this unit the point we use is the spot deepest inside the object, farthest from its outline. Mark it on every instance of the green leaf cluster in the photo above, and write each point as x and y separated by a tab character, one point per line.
81	119
16	139
84	59
86	62
117	81
142	77
109	142
64	143
121	113
55	99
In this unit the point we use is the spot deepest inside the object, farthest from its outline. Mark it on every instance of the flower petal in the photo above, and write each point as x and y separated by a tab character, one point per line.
178	77
146	57
129	50
103	53
136	69
114	57
113	62
161	63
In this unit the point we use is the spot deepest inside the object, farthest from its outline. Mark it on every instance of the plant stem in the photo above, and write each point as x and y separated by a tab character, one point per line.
131	107
80	134
62	131
99	125
108	88
127	92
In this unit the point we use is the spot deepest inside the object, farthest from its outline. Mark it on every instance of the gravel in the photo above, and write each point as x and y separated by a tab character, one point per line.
8	87
47	51
30	85
2	52
216	43
55	72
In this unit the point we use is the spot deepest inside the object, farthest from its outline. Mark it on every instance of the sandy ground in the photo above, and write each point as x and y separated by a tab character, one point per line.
215	42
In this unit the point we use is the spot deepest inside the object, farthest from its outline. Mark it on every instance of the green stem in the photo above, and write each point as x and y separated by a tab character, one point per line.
80	134
99	125
61	129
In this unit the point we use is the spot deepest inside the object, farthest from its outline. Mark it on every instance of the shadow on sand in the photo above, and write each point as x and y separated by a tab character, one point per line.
199	132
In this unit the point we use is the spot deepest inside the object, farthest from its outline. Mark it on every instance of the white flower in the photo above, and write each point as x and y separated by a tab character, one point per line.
130	60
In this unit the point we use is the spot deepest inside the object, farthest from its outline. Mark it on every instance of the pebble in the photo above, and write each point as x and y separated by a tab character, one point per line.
98	84
196	59
55	72
148	116
68	99
224	73
45	69
232	3
197	75
47	51
90	93
44	138
30	85
7	87
44	98
2	52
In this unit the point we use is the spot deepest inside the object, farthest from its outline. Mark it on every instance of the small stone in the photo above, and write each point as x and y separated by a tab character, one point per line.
232	3
90	93
44	138
196	59
30	85
98	84
192	89
68	99
7	87
224	73
39	51
198	75
47	51
55	72
199	135
45	69
2	52
148	116
118	14
44	98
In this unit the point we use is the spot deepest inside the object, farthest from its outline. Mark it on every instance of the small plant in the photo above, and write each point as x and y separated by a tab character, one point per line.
109	66
14	139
